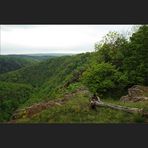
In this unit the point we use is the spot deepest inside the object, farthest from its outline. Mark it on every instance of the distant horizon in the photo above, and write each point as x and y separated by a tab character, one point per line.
40	53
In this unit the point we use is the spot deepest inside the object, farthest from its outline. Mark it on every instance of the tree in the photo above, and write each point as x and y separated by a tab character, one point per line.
136	58
111	48
104	79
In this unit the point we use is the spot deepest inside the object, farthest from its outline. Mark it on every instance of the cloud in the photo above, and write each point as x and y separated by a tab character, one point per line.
53	38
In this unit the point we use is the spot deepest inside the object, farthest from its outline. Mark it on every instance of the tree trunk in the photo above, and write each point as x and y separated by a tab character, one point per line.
118	107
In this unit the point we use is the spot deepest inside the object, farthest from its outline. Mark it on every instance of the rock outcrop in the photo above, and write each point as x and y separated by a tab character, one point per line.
136	93
38	107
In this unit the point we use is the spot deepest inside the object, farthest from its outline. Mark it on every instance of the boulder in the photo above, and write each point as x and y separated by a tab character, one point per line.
136	93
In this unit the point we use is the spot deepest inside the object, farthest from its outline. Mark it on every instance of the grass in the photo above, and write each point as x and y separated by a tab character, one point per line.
77	111
142	104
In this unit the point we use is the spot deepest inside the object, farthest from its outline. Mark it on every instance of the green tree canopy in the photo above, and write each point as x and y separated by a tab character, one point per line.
104	78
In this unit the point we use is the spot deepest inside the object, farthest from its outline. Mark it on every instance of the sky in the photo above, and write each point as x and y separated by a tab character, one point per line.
30	39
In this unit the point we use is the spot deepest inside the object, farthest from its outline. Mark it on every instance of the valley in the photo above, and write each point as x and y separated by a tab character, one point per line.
57	88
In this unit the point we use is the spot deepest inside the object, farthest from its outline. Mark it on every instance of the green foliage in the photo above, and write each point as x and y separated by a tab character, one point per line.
104	79
11	63
54	68
77	111
111	48
129	59
48	76
11	96
136	57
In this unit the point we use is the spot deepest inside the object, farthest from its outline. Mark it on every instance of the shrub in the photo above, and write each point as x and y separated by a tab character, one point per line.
104	79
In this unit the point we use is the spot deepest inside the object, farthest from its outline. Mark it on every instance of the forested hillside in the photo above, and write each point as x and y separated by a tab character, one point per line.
37	74
11	63
11	96
117	64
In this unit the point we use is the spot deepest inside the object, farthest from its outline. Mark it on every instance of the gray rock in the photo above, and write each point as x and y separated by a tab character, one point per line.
136	93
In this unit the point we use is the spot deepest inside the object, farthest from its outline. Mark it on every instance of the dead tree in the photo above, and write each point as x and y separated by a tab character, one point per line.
99	103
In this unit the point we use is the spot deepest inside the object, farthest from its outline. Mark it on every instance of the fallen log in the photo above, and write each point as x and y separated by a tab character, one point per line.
121	108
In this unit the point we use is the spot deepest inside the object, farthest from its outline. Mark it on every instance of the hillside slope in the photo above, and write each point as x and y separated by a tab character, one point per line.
73	107
11	96
11	63
48	76
36	75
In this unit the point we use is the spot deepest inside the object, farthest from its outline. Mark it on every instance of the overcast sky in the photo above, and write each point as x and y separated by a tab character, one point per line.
23	39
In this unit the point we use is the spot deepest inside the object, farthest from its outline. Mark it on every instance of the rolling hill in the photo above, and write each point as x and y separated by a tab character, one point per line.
45	78
11	63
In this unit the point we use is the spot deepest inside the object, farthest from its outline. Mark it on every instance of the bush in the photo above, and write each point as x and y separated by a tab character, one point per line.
104	79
